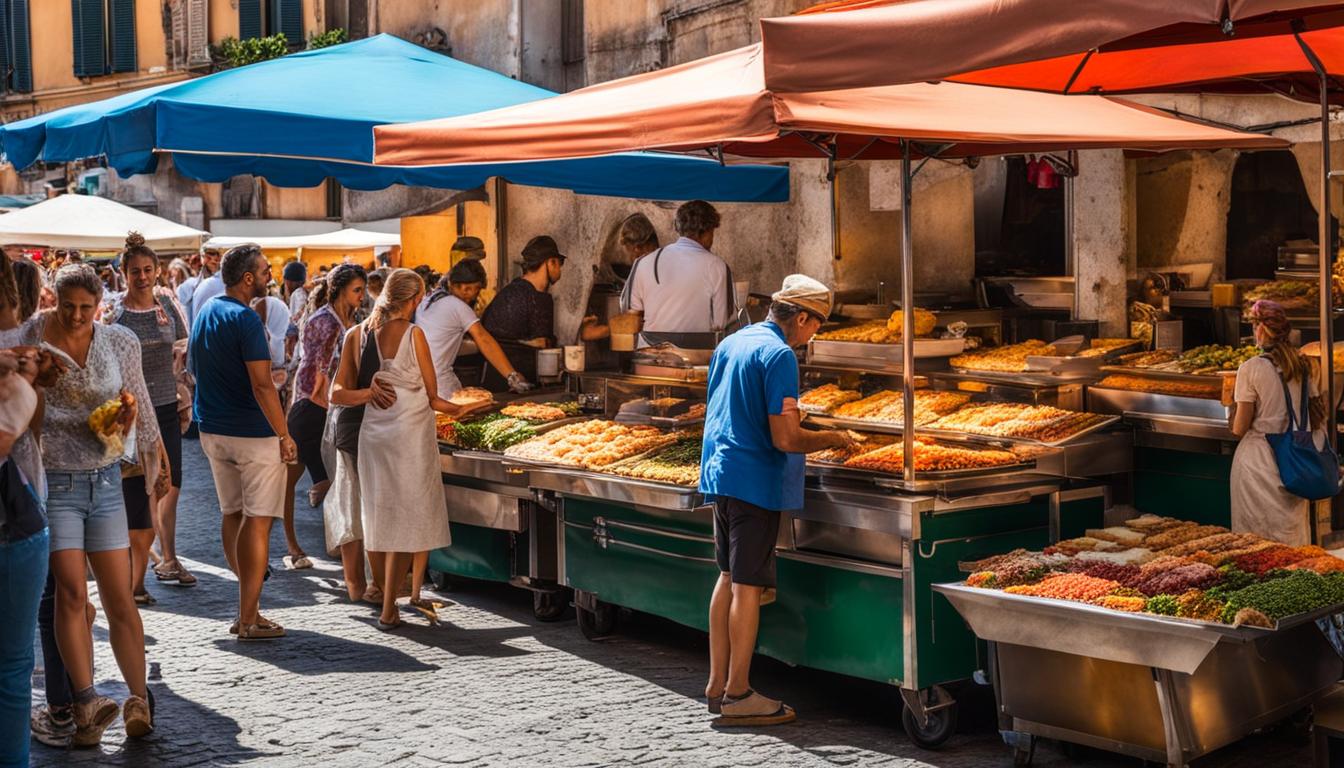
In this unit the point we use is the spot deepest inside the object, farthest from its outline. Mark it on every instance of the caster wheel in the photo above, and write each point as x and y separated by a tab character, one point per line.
1022	757
549	606
942	723
598	623
441	581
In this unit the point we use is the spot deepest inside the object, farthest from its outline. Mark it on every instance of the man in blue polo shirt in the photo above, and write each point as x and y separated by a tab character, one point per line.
243	428
751	464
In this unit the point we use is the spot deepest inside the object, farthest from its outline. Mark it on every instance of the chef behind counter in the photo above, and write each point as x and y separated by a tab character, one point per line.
683	290
522	316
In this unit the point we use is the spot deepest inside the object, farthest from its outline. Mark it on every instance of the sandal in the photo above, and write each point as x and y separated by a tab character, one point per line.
262	621
386	627
144	598
751	709
297	563
429	608
268	631
373	595
715	704
175	574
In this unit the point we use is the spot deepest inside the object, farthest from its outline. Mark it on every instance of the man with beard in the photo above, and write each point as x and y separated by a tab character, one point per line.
243	428
522	316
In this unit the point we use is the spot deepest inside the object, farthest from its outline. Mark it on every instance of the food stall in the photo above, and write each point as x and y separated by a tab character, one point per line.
1159	638
878	528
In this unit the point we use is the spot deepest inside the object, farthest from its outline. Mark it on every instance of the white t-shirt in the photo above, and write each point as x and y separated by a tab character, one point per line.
277	322
445	322
297	300
209	288
1258	383
690	294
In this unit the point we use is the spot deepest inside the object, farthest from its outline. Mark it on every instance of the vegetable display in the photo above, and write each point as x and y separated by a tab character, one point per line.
493	433
1172	568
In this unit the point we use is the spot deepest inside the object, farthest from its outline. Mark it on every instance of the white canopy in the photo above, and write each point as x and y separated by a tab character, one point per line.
346	238
93	223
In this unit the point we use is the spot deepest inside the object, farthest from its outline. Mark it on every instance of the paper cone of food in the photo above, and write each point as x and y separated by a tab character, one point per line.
105	423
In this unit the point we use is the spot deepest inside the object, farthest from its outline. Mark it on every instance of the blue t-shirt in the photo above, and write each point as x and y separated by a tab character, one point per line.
226	336
751	374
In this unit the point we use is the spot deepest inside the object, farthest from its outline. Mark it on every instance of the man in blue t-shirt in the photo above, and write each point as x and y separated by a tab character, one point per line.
751	464
243	429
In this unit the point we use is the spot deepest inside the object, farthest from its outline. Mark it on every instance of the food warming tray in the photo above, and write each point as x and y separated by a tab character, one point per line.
889	428
866	354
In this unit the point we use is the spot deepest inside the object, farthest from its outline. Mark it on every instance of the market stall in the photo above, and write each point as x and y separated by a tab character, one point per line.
1160	638
882	525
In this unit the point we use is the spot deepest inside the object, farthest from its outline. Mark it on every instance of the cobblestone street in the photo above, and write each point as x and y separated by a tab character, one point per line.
490	686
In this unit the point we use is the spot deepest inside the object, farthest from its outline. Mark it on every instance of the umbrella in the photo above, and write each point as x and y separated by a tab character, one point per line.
302	118
93	223
722	103
881	42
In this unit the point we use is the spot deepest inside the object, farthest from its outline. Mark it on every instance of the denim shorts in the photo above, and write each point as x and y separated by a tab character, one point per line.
85	510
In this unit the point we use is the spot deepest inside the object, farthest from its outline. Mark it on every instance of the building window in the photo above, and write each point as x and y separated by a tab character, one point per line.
263	18
16	55
104	36
191	33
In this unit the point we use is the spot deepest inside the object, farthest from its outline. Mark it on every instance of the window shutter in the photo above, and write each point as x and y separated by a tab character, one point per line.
249	19
20	47
121	18
289	20
198	33
90	44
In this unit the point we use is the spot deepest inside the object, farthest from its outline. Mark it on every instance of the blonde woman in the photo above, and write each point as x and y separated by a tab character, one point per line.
400	489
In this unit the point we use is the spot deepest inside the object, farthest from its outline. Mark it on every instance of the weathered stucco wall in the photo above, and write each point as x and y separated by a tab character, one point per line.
1183	200
481	32
1102	232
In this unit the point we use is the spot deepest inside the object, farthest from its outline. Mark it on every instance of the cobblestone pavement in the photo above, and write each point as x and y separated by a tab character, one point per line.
490	686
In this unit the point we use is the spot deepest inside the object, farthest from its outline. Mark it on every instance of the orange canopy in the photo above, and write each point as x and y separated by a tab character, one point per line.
858	43
721	102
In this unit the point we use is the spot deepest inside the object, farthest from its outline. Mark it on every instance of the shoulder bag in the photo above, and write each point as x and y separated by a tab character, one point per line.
349	420
1305	471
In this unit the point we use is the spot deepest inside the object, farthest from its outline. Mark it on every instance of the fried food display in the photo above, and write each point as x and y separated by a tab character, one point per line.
678	464
1011	358
1100	347
1035	422
1213	390
931	456
535	412
472	396
826	398
882	331
888	407
591	444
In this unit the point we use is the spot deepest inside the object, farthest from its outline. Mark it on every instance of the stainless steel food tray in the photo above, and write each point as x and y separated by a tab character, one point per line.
1152	373
1127	401
874	355
573	481
1029	378
1162	642
480	465
824	469
954	434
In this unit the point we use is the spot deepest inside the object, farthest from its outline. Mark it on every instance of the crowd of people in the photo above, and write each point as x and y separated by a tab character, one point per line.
105	370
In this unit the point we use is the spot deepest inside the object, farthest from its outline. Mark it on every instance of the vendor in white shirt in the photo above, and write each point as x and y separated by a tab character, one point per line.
684	291
445	315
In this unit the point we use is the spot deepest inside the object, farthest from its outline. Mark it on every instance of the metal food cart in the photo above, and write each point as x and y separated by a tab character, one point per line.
1158	688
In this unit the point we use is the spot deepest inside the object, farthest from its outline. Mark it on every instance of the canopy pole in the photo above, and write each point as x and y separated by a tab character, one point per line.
831	171
1070	252
908	319
1326	240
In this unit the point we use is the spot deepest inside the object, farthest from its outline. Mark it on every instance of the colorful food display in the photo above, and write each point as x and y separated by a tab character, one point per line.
1100	347
1035	422
888	407
541	413
590	444
1011	358
1207	359
1296	296
882	331
678	463
494	432
1181	569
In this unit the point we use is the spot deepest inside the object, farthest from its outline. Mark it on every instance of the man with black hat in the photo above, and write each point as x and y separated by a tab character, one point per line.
522	316
294	275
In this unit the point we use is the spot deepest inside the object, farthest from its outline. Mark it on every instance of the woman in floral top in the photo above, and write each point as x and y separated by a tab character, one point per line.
85	511
331	310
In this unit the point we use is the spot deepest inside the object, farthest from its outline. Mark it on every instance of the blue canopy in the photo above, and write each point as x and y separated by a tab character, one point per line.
301	118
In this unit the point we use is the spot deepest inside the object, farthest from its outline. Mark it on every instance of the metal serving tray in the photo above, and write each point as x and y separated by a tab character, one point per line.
924	479
571	481
1162	642
872	355
859	425
480	465
1127	401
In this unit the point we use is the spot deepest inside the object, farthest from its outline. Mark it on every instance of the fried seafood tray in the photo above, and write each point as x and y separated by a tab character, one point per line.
1007	459
1096	423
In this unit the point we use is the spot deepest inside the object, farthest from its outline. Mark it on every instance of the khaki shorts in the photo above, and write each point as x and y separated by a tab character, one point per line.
249	476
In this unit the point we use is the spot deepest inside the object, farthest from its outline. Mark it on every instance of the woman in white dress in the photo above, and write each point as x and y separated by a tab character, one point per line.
400	488
1260	503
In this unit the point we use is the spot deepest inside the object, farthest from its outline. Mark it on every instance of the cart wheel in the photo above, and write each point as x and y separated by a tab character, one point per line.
598	623
549	606
942	722
441	581
1022	756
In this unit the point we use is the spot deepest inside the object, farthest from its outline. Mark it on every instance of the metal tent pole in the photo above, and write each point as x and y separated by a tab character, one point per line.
835	201
908	318
1325	238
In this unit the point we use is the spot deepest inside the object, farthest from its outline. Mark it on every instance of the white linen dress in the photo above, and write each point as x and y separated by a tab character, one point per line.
400	486
1260	503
